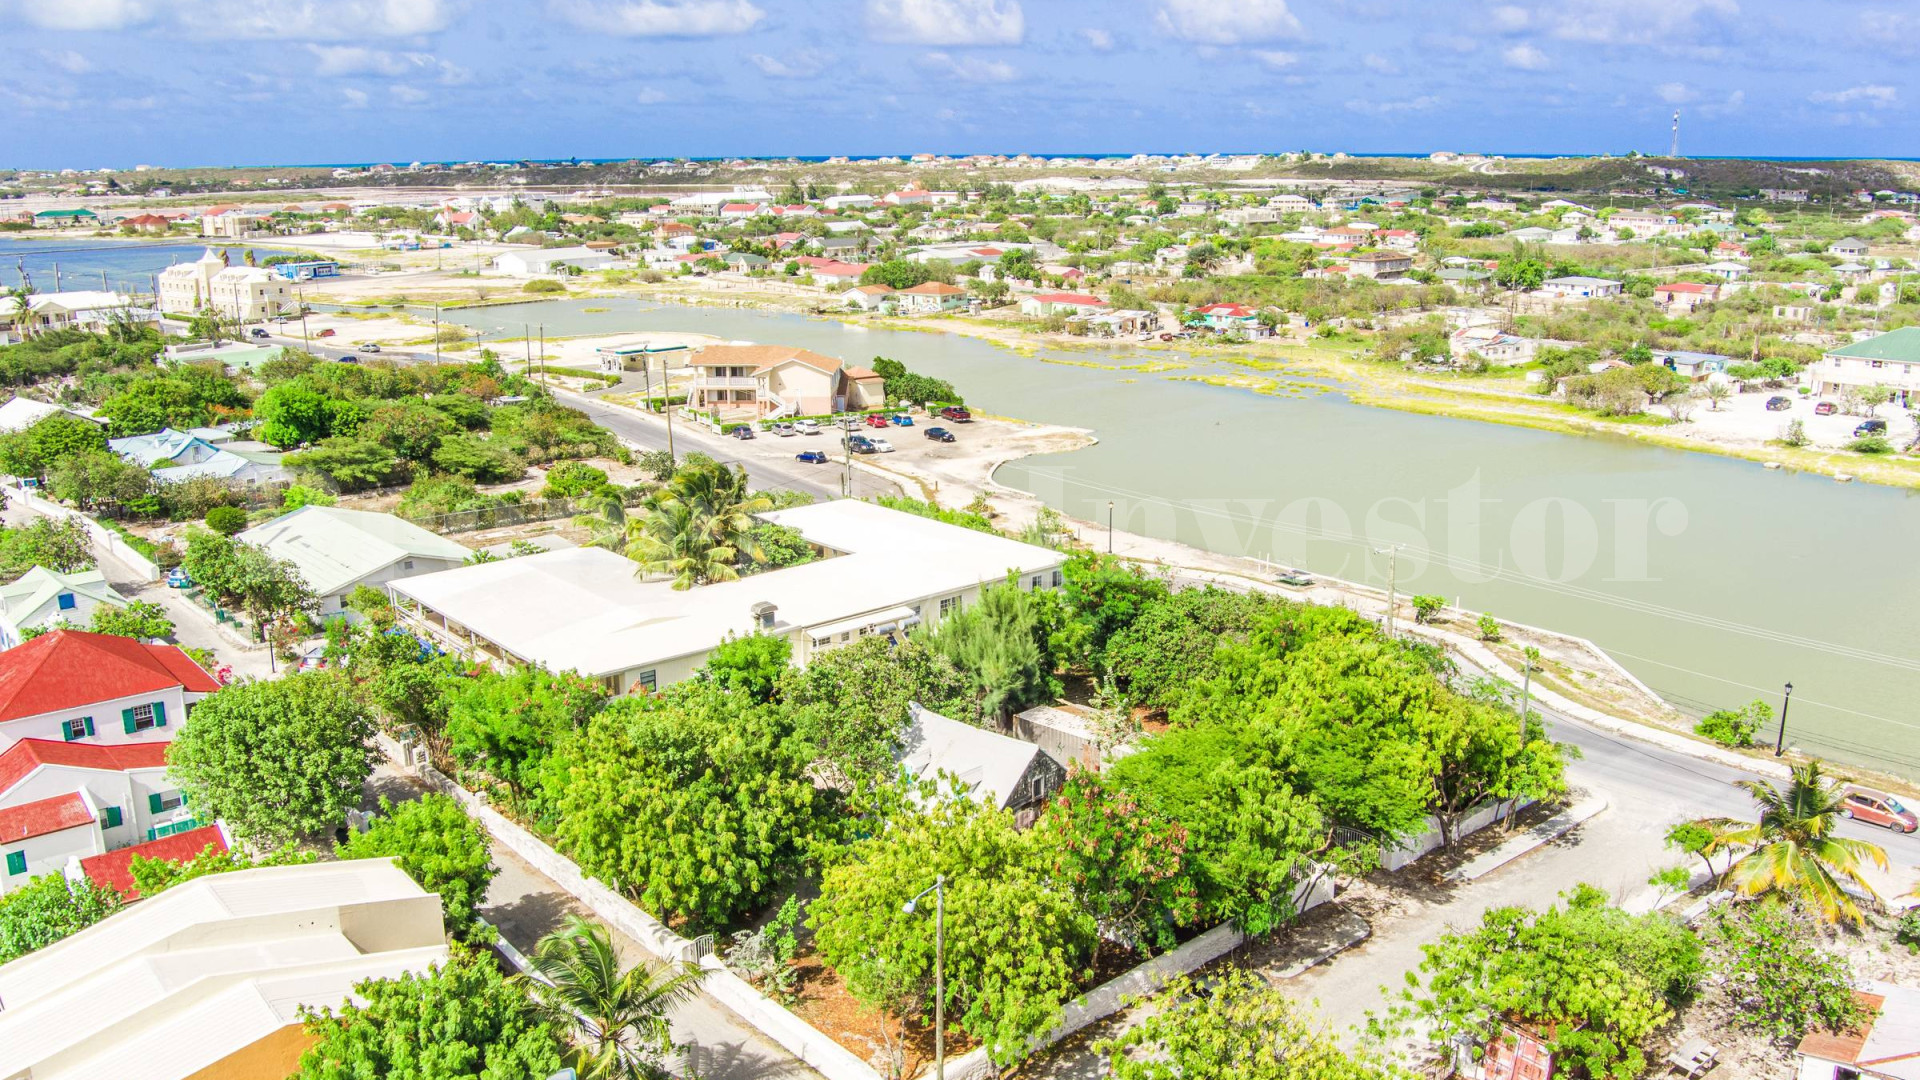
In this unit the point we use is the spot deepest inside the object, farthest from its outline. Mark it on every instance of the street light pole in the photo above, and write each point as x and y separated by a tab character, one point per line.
1780	742
939	891
1109	526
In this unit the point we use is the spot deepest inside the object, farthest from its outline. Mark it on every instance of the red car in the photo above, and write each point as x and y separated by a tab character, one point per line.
956	414
1825	408
328	332
1877	808
876	421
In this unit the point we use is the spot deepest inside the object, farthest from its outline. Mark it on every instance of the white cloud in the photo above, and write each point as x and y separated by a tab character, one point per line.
947	22
356	98
1510	18
1097	39
294	20
1525	57
1376	63
1228	22
801	65
969	68
1276	59
1390	108
661	18
1454	43
1880	97
82	14
360	60
650	96
1675	93
1639	22
68	61
407	95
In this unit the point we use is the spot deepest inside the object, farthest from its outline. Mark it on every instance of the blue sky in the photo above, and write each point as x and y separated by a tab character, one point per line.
216	82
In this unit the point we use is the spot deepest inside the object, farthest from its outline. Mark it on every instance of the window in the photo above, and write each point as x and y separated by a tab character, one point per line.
16	862
948	605
142	717
408	565
647	679
77	728
1059	578
112	817
1035	583
160	802
66	601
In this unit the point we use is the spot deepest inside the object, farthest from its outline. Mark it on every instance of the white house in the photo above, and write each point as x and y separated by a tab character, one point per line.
21	413
930	297
74	686
210	978
1060	303
251	294
534	262
1891	360
582	609
94	310
61	801
338	550
1580	288
186	288
45	598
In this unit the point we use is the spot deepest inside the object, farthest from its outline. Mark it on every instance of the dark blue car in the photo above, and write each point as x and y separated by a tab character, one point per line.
939	434
812	457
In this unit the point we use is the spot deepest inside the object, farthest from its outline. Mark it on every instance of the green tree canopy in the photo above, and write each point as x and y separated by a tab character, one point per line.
439	846
277	760
1234	1027
850	703
49	908
505	725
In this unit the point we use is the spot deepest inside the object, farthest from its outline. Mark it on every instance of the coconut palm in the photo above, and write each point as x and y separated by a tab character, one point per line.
616	1019
605	521
1793	847
698	528
24	314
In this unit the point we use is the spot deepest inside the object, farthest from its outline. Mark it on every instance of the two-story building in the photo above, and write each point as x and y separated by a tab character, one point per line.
929	298
1891	360
770	381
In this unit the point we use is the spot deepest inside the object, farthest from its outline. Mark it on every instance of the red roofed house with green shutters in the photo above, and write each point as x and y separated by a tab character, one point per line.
84	724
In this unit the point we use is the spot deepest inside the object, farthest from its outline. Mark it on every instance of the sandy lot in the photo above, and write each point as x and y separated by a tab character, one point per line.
1743	420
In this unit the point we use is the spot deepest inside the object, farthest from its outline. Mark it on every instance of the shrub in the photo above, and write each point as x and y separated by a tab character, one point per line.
544	285
1428	608
299	495
1489	628
1735	727
570	478
1871	444
226	520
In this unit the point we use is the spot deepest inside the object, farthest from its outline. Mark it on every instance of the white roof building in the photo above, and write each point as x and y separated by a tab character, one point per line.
336	550
41	597
213	973
584	610
536	261
20	413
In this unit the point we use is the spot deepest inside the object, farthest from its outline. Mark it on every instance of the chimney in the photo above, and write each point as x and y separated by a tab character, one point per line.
763	616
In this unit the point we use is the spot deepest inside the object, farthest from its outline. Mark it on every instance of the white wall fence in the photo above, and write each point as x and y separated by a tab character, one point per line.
1481	816
104	539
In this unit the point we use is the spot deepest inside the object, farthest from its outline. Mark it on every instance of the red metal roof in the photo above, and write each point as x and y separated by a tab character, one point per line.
1684	286
1069	298
1236	310
70	669
114	870
934	288
43	816
28	754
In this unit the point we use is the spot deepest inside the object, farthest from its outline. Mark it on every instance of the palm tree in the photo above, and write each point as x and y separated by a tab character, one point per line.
618	1019
697	529
24	315
1793	847
605	522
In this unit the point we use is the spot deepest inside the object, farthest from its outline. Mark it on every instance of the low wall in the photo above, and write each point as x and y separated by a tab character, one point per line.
104	539
1471	822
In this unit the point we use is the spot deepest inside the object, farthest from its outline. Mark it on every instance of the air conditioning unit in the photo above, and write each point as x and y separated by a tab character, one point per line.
419	760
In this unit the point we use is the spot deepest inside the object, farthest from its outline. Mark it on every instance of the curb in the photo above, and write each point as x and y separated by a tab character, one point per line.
1302	966
1547	831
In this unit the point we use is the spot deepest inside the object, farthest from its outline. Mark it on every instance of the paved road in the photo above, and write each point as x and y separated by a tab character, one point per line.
765	470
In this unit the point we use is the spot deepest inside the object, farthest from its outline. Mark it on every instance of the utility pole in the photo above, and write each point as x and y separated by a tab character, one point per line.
436	333
305	342
666	398
1393	572
1780	743
1109	526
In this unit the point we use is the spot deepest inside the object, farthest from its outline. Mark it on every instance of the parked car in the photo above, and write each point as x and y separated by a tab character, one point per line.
956	414
1777	403
1825	408
743	432
860	444
849	423
328	332
1295	578
806	427
1870	427
939	434
257	333
349	358
875	420
785	431
812	457
1879	808
902	420
314	660
371	346
178	578
881	444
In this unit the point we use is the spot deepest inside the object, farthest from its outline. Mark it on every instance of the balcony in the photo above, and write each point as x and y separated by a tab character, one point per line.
725	382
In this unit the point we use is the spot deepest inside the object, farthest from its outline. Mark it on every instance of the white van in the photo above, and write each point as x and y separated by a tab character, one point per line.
806	427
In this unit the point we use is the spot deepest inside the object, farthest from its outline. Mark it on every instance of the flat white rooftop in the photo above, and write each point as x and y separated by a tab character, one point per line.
584	610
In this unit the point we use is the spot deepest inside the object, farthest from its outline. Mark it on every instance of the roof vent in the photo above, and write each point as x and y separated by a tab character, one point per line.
763	615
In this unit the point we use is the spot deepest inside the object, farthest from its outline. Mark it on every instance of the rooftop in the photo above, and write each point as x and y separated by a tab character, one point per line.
1901	345
762	357
69	669
583	609
43	816
114	870
988	763
37	586
23	757
334	548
